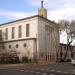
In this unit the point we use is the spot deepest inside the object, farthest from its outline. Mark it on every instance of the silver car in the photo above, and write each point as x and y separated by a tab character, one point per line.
73	61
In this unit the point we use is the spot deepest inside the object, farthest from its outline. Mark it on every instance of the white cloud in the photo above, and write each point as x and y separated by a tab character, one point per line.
57	9
65	13
63	35
35	3
62	9
15	14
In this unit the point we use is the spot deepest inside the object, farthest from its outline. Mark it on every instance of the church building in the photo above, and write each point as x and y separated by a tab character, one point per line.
34	37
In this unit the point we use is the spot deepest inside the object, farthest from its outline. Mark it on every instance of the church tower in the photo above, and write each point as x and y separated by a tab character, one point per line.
42	11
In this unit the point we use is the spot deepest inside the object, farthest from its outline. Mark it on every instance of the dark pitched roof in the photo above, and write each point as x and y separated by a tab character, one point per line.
27	18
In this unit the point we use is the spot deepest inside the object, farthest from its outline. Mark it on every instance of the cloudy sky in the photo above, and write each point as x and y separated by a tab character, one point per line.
16	9
57	10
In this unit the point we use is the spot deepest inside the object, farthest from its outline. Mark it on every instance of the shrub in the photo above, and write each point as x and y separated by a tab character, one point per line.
25	59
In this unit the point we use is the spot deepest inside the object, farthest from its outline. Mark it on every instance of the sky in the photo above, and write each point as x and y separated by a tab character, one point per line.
57	10
17	9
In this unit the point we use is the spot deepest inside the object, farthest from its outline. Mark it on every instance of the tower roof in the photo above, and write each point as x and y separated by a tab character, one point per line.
42	3
42	11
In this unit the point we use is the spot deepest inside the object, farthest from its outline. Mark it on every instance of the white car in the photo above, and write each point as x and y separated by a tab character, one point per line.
73	61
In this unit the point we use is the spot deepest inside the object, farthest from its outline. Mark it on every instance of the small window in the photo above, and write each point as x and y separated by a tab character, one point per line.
16	45
13	31
27	30
9	46
20	31
0	35
3	47
47	28
24	44
6	34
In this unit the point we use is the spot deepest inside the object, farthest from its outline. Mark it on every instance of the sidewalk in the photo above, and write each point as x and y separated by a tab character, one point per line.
10	65
20	65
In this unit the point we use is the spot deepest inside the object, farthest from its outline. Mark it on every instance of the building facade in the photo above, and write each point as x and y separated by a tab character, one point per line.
33	37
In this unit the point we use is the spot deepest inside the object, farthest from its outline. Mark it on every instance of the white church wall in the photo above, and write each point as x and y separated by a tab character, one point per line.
32	28
21	50
47	45
30	41
39	42
42	38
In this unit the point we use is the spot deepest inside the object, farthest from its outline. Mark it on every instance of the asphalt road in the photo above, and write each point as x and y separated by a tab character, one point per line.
50	69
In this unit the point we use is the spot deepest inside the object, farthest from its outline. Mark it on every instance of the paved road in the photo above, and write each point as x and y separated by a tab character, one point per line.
54	69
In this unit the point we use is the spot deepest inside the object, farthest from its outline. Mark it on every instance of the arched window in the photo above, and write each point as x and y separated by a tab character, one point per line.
3	47
24	44
9	46
16	45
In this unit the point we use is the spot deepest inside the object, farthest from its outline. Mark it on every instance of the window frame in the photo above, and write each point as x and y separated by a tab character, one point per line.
20	31
13	32
27	30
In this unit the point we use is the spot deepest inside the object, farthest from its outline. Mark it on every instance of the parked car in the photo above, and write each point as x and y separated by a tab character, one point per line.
73	61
